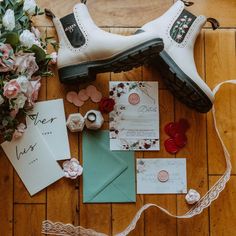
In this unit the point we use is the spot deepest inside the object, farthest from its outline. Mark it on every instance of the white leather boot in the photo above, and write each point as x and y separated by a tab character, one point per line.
179	29
86	50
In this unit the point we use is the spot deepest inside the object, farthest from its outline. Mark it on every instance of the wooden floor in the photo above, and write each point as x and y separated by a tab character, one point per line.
21	215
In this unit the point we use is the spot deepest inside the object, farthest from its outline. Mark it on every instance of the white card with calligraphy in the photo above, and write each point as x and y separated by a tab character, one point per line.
49	117
33	160
161	175
134	122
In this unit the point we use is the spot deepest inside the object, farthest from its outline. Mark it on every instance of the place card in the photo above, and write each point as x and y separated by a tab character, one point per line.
161	176
33	160
49	118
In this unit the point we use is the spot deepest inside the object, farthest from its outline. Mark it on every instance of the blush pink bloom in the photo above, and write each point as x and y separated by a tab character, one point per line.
7	59
72	168
33	92
19	131
11	89
14	112
26	64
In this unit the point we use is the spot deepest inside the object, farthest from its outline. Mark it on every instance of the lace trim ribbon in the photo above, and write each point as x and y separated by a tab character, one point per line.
58	228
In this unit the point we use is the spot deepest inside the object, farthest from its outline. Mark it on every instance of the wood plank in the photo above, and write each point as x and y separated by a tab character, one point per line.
155	220
21	195
216	9
6	196
63	196
123	213
127	13
28	219
222	211
220	66
195	153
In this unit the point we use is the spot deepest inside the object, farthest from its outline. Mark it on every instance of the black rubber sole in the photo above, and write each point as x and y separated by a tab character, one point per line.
182	87
125	61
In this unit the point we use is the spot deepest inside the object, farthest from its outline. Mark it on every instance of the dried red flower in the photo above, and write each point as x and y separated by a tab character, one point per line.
106	105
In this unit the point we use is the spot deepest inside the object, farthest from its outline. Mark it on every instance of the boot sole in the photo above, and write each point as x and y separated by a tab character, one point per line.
182	86
125	61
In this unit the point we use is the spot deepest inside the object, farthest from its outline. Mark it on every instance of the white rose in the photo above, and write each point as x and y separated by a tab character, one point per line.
23	82
53	57
8	20
29	6
1	100
27	38
20	101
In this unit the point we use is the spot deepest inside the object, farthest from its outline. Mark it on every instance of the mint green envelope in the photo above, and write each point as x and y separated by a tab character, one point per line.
108	176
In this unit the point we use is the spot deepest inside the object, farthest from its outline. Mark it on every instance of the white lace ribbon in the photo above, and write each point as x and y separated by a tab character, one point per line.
58	228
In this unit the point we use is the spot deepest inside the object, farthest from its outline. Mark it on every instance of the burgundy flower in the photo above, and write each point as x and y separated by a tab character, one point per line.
106	105
147	146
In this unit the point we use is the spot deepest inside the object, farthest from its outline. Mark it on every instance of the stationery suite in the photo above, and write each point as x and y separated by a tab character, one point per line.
134	122
33	160
34	155
161	176
107	176
49	117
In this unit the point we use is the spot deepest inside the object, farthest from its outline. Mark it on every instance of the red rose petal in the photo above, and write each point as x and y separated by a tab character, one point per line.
96	97
78	102
70	96
184	125
90	90
171	146
168	127
180	140
172	129
82	95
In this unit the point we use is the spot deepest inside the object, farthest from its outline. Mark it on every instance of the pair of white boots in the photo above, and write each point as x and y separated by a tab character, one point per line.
167	42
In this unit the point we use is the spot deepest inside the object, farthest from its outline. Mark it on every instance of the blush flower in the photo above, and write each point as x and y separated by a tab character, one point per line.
72	168
53	58
7	58
11	89
26	63
19	131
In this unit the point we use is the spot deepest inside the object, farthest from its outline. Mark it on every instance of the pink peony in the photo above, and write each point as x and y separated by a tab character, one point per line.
33	91
25	63
72	168
19	131
11	89
7	59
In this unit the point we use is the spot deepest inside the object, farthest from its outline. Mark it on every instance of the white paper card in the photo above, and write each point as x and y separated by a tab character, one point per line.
134	124
33	160
147	176
49	117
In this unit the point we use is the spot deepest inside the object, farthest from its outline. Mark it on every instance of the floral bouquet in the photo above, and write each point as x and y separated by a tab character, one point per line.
23	62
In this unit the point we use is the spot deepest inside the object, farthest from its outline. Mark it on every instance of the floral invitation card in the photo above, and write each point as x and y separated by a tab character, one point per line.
134	122
33	160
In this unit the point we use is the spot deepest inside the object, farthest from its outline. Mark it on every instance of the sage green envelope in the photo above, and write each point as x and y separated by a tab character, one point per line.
108	176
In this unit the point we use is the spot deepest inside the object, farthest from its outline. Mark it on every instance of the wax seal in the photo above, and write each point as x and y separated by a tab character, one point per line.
134	98
163	176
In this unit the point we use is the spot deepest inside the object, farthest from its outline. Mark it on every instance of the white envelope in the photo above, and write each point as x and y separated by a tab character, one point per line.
33	160
49	118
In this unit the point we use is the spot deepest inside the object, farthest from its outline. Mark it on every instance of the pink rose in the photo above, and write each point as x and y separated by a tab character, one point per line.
72	168
14	112
25	63
19	131
33	91
11	89
7	59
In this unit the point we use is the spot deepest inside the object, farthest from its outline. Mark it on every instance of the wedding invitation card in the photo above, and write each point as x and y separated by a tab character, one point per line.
49	118
161	176
33	160
134	122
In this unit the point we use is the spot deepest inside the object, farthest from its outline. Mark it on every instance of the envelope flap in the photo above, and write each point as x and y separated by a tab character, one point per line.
101	166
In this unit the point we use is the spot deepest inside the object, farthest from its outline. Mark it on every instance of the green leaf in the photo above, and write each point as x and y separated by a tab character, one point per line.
39	53
11	38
